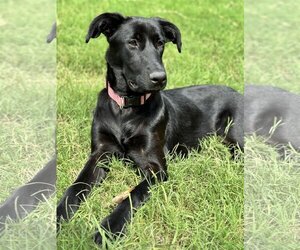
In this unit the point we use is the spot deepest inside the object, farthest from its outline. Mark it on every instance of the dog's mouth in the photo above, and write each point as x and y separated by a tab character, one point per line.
134	86
131	84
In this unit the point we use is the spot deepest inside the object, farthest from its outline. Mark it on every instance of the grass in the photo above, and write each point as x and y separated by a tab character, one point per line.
201	206
271	47
27	113
271	197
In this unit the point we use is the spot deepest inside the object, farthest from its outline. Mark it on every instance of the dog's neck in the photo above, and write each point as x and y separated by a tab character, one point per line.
120	93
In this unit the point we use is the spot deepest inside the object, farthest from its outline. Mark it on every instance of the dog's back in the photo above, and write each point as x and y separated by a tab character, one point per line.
198	111
267	107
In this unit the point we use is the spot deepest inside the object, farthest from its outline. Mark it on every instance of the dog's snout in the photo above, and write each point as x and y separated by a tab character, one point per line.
158	77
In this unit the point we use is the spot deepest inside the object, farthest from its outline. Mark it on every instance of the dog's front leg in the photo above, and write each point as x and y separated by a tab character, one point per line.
91	175
153	168
26	198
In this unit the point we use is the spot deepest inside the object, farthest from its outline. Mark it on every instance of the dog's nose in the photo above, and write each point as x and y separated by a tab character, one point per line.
158	77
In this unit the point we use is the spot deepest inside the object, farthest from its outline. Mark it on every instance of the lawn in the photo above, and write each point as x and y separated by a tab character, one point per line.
271	45
271	197
27	113
201	206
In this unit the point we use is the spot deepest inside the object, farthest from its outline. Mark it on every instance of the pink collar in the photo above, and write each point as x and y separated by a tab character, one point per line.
126	101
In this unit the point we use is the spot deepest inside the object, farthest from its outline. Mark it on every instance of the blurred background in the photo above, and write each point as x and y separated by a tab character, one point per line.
27	117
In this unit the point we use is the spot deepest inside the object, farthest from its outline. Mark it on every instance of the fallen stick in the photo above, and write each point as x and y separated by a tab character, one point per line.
122	196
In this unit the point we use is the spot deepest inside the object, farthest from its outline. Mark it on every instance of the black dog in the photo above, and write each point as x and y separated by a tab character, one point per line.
135	120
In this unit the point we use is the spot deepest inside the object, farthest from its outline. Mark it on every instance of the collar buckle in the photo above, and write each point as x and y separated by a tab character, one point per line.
130	101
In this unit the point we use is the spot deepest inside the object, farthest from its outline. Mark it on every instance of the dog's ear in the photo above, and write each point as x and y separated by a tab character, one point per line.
171	31
52	34
106	23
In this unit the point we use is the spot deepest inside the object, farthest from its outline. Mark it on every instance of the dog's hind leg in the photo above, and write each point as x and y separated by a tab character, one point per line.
93	173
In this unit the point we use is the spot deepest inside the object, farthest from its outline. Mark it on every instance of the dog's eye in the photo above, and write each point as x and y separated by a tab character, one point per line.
159	43
133	43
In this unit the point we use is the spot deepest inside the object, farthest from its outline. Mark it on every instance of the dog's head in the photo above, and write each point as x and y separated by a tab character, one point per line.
136	46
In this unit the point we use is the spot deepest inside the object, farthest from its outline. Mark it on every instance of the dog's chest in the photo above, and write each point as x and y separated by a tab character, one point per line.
121	130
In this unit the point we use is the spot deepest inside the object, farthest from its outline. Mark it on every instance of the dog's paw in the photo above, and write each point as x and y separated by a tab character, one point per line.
112	228
98	238
102	239
105	236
